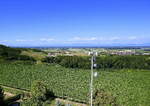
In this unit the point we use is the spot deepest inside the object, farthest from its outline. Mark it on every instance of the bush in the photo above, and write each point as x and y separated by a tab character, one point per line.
70	61
24	58
39	90
39	94
102	98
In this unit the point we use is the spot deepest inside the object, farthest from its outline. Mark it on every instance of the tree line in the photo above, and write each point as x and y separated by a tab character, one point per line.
114	62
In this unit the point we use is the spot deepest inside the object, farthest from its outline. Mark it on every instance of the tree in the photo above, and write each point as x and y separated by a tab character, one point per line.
38	91
38	94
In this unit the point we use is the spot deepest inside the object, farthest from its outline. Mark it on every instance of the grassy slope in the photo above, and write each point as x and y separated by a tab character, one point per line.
36	55
131	88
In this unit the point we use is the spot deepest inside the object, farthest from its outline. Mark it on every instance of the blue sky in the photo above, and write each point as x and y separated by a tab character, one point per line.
74	22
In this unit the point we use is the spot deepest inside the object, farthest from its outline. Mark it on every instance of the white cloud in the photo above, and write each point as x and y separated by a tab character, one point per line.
83	39
47	39
132	37
22	40
114	38
4	41
19	40
36	40
102	40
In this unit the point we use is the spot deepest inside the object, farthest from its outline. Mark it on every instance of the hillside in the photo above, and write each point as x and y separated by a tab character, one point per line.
129	87
20	54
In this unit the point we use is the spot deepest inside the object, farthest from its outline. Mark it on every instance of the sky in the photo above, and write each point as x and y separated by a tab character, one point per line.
74	22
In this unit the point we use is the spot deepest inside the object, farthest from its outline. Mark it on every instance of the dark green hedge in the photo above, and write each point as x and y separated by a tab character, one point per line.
116	62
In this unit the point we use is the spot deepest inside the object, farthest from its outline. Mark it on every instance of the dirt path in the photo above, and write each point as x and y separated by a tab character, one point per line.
8	94
15	89
70	102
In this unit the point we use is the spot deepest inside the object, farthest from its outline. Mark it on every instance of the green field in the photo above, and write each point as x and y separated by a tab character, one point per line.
130	87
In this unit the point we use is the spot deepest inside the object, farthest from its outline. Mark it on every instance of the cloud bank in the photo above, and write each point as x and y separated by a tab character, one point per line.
77	40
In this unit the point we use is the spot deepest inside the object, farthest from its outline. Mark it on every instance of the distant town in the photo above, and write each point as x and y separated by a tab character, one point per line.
52	52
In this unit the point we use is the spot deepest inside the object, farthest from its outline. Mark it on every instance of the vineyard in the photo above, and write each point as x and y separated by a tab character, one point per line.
130	87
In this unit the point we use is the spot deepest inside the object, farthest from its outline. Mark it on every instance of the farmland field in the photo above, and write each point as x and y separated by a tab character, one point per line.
130	87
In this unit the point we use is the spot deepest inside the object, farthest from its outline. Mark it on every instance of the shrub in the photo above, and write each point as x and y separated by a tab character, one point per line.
102	98
18	62
39	94
39	90
25	58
